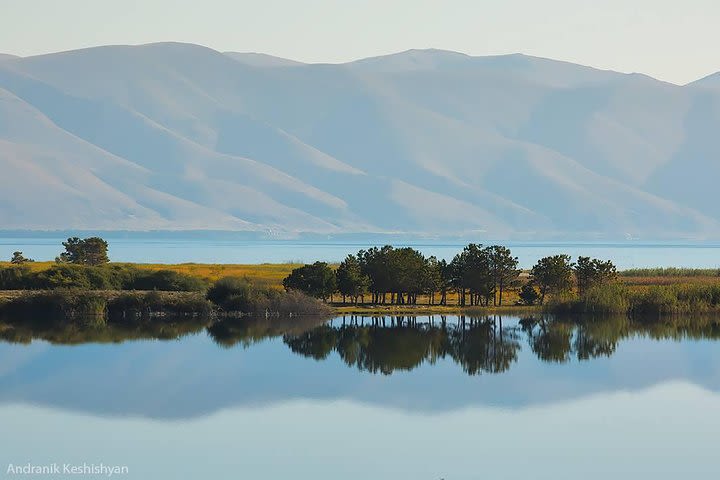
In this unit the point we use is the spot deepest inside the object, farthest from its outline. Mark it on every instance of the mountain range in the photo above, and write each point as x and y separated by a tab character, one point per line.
175	136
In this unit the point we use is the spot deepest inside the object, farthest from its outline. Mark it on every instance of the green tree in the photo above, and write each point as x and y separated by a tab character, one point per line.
88	251
503	269
552	275
351	281
317	280
593	272
472	275
432	279
528	295
375	263
18	258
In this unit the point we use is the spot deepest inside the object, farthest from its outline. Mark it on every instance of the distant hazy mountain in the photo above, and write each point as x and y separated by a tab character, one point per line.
6	56
178	136
262	60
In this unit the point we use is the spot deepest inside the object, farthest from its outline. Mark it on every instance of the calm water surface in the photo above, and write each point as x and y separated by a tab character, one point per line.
631	254
357	398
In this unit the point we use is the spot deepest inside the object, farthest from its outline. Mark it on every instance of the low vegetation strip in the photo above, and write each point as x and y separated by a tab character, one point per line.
380	279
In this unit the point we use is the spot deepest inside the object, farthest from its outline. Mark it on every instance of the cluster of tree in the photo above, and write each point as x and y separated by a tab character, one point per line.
478	275
399	275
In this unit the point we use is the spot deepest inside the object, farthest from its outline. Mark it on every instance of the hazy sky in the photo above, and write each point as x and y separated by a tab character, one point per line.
668	39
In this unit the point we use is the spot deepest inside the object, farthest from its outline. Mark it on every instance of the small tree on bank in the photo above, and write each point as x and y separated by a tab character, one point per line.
19	259
552	275
317	280
351	281
528	295
88	251
593	272
503	269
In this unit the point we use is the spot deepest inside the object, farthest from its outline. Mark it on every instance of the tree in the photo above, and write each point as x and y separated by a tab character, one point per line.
593	272
317	280
552	275
503	269
471	274
528	295
351	281
88	251
432	280
375	263
18	259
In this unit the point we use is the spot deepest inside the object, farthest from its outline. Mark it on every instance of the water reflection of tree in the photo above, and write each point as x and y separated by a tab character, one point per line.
247	331
389	344
484	346
557	340
63	333
478	345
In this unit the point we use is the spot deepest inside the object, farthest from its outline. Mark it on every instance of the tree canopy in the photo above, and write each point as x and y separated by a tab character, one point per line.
317	280
87	251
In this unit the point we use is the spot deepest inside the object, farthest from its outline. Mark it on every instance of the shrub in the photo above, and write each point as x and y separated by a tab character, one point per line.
232	294
528	295
58	305
607	298
235	294
165	280
139	305
78	276
656	300
16	277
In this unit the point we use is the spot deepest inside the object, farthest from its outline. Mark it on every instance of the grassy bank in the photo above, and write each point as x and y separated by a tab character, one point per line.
154	289
618	298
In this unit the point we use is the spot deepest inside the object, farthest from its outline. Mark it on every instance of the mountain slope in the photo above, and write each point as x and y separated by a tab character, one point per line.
261	60
180	136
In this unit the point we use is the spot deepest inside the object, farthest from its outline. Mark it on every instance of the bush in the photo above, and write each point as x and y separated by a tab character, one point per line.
656	301
529	295
57	305
608	298
235	294
16	277
79	276
141	305
165	280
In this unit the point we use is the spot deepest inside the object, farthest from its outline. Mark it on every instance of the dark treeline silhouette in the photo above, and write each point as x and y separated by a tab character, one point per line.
477	276
482	345
385	345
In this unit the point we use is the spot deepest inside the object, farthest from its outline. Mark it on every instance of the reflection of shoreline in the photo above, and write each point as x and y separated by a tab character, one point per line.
266	365
383	344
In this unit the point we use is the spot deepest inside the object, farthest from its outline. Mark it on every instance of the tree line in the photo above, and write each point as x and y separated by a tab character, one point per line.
478	276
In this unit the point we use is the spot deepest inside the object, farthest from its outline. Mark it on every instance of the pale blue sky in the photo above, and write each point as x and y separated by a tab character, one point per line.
671	40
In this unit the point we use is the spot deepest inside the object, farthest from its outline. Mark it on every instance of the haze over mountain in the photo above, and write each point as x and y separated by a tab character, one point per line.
178	136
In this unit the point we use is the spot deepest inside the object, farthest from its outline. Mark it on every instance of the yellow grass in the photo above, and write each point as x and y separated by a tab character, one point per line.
270	274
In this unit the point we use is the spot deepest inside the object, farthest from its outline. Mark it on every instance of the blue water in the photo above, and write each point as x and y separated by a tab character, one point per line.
178	250
189	408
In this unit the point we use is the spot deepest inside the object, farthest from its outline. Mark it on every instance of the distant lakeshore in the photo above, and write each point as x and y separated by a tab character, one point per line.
239	248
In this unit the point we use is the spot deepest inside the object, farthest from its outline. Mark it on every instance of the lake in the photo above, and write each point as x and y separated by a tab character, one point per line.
362	398
181	249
